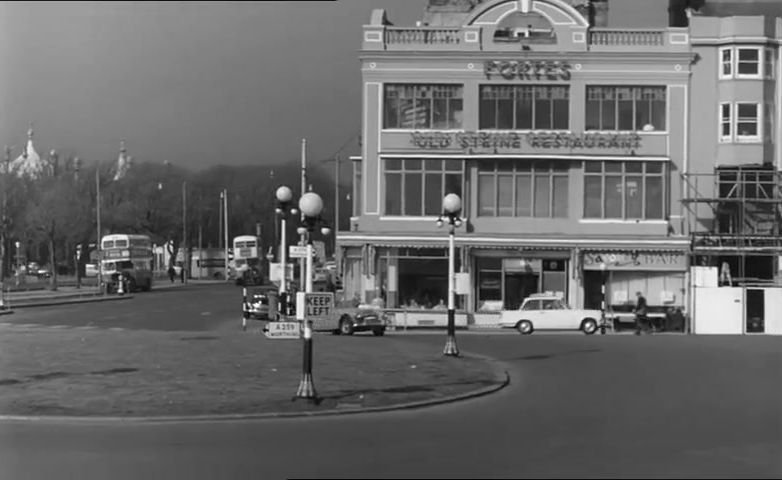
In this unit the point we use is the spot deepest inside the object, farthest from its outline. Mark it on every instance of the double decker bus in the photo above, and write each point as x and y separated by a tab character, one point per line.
130	255
247	260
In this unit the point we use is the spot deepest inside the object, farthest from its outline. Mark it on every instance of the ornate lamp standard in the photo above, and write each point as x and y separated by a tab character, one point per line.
310	205
452	207
284	196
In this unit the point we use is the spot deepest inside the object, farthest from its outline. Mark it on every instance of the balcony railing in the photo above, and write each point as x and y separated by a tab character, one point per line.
423	36
622	38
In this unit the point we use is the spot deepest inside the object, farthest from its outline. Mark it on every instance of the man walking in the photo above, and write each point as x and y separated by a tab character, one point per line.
640	311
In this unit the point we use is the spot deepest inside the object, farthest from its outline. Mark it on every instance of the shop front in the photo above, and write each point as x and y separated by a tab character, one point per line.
660	275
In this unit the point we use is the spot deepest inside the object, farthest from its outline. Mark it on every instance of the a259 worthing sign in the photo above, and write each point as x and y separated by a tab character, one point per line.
428	140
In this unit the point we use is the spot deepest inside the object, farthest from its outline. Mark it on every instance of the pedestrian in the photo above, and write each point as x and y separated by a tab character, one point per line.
641	321
171	273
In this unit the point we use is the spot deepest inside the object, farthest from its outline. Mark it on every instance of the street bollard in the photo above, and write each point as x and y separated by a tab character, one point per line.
245	311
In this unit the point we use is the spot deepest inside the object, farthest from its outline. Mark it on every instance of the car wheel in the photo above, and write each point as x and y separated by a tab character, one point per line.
346	326
589	326
378	332
524	327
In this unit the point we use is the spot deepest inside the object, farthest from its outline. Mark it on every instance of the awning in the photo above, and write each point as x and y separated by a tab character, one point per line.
560	242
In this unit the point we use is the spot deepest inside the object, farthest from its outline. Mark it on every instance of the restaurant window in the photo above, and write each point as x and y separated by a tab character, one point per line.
615	108
524	107
508	188
416	187
624	190
414	106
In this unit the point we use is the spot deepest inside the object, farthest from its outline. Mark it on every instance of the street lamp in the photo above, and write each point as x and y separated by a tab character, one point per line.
310	205
284	196
452	208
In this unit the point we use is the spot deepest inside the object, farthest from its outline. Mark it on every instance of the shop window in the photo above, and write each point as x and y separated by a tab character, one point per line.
489	282
423	282
524	107
414	106
624	190
523	189
416	187
612	108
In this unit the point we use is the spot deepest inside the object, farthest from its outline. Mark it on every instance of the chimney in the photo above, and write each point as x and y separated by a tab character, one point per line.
599	13
677	13
595	11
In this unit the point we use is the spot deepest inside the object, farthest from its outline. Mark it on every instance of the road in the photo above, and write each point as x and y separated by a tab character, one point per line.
182	308
578	406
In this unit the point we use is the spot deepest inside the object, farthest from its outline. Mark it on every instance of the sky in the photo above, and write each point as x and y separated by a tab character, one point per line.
198	83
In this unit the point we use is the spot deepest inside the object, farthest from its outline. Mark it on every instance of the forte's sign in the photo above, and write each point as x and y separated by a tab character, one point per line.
527	69
518	141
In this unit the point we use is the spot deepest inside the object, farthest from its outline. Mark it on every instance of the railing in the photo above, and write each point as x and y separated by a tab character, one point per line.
627	37
425	36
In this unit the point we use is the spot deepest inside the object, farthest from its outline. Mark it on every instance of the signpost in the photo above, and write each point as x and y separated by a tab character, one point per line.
314	306
297	251
283	330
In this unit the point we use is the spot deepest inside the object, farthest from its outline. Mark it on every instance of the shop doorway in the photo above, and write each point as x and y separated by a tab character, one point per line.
755	306
518	286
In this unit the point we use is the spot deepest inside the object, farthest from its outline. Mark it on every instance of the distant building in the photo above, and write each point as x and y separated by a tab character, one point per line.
29	163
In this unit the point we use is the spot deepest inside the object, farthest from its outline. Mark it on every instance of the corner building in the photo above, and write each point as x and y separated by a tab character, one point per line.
566	141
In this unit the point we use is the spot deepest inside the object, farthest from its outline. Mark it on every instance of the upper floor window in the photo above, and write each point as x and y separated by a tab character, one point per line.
746	62
508	188
416	187
624	190
418	107
726	122
743	122
625	108
768	64
726	62
748	122
524	107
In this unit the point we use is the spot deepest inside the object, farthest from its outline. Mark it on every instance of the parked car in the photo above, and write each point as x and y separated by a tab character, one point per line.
259	303
549	312
359	319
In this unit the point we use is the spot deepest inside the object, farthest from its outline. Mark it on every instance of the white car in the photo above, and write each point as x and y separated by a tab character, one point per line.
549	312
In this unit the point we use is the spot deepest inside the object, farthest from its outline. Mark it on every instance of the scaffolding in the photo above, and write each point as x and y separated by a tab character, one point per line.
743	233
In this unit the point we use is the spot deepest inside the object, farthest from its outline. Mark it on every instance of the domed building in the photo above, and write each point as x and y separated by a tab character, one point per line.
29	163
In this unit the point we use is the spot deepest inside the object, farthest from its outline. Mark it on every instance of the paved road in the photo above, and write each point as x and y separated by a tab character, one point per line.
184	308
599	406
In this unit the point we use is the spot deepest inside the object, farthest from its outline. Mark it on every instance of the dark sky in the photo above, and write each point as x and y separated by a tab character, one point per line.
198	83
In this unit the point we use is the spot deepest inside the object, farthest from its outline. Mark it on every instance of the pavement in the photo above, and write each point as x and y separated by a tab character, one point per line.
92	374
